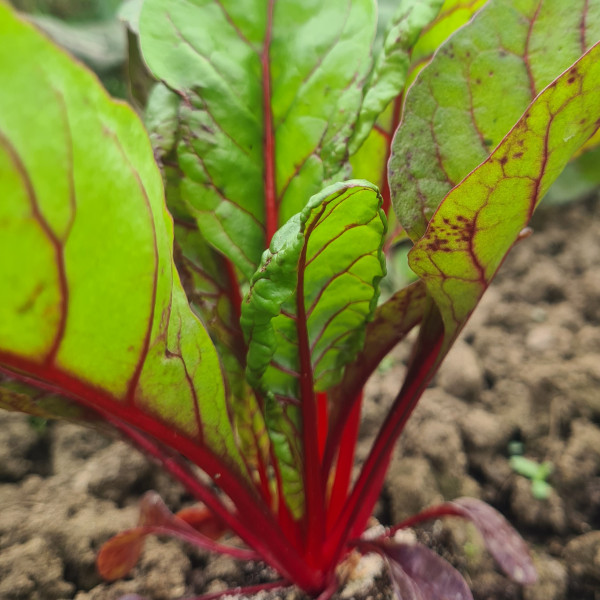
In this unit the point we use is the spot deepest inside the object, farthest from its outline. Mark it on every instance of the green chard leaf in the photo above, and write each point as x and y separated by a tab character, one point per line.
270	99
305	314
453	117
96	311
480	219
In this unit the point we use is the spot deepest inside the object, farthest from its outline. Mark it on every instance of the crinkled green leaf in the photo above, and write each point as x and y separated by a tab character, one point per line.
479	220
475	88
305	314
272	90
320	272
389	72
95	310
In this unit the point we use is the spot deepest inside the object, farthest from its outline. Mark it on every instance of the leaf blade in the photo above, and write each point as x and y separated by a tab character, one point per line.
452	106
418	573
269	100
482	217
103	315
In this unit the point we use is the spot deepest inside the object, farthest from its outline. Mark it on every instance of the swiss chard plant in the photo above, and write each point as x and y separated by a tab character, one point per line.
208	284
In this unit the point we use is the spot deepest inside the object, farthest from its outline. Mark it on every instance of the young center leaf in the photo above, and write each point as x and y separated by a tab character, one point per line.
482	217
474	90
305	313
96	312
270	93
390	69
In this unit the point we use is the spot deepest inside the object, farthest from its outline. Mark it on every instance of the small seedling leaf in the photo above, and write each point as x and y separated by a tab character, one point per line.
120	554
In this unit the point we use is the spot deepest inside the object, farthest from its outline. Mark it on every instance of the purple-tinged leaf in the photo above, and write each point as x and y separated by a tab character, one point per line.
392	321
418	573
501	539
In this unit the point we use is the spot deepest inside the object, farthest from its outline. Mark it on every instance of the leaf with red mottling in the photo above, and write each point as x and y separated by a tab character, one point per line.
305	314
96	311
120	554
479	221
271	91
453	118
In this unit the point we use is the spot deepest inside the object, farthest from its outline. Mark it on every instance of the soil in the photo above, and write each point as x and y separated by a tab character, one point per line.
524	376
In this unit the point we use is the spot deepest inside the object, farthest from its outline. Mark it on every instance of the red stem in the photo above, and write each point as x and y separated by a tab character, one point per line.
364	495
435	512
257	523
271	208
200	541
287	523
259	540
345	462
313	488
322	421
262	473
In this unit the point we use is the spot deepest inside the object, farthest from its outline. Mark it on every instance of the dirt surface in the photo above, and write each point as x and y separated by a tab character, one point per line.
524	377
